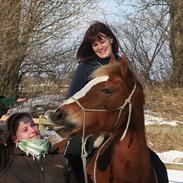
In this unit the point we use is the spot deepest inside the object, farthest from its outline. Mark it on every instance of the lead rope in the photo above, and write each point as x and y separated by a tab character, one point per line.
128	101
128	122
95	164
83	149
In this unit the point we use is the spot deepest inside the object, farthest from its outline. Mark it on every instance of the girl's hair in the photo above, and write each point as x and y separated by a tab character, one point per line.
13	123
93	33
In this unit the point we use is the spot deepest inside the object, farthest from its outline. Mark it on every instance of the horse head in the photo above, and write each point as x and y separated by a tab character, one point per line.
103	104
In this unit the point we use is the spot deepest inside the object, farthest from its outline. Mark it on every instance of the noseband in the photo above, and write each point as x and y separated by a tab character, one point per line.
84	110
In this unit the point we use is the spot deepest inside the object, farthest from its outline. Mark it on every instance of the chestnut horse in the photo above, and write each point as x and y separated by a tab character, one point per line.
111	104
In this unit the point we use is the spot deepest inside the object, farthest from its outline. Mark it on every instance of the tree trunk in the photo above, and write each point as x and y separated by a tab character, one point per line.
11	50
176	42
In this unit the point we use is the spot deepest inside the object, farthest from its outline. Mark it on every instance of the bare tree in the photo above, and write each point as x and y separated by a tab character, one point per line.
166	17
12	52
32	34
144	36
176	16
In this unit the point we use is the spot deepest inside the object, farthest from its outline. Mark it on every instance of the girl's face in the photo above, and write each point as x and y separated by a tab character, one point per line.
103	47
26	130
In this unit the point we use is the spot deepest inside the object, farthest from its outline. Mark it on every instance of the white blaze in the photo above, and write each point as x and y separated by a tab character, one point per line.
86	88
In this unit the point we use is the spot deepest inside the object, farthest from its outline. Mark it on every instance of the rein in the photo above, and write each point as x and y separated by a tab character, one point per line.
84	110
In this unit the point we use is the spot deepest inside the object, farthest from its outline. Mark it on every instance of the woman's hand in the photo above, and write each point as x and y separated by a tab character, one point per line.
20	100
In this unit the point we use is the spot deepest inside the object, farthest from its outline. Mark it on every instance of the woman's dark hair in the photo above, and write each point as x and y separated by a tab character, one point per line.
93	33
13	123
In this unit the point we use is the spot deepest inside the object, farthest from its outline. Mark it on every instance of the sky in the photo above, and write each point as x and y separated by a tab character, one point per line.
111	8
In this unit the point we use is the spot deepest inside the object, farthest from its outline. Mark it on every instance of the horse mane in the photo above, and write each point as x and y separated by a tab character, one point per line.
106	70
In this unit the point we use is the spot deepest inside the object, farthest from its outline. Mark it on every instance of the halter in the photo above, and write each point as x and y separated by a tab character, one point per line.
84	110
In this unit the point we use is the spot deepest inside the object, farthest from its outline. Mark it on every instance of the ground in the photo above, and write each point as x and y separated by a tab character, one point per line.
164	141
167	103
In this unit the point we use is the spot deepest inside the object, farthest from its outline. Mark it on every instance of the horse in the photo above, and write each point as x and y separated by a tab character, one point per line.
110	104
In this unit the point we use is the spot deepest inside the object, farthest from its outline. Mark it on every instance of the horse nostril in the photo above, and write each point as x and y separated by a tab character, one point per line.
59	114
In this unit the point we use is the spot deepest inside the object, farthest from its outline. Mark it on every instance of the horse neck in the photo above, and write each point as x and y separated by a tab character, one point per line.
137	123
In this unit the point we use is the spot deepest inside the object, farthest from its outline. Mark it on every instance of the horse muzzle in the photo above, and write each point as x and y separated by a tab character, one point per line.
58	117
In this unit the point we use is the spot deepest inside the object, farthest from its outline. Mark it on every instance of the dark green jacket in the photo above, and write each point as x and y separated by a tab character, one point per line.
6	103
82	73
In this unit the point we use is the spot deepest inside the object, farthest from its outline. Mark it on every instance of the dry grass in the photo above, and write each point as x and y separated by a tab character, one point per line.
164	142
166	101
164	137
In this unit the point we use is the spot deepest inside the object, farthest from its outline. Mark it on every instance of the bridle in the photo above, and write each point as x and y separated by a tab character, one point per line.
84	110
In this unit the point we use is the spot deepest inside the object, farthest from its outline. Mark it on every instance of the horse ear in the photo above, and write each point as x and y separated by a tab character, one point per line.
124	66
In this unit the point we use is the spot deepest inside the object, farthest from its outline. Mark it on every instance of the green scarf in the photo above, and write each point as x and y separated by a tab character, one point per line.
34	147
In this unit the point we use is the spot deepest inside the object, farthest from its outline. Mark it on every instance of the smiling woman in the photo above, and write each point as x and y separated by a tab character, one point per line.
102	46
27	151
99	44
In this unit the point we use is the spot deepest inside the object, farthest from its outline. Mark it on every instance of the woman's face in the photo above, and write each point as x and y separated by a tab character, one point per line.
26	130
103	47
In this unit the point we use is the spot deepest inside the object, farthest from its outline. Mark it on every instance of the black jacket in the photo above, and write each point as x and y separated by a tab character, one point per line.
6	103
82	73
16	167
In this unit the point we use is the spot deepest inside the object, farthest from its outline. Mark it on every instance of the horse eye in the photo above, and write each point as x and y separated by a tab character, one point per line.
107	90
